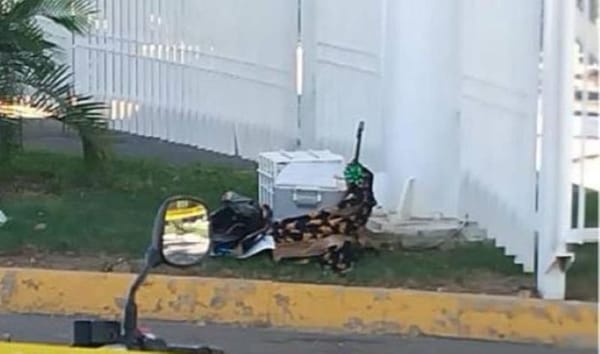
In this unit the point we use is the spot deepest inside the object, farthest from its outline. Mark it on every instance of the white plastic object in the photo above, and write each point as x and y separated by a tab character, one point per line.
271	165
3	218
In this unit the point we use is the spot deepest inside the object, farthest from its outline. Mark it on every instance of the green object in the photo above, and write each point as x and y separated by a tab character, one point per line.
354	173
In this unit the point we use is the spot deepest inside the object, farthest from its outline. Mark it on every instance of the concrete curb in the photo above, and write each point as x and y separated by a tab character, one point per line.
303	306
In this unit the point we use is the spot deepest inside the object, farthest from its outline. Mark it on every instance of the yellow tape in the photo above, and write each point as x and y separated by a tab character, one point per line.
182	213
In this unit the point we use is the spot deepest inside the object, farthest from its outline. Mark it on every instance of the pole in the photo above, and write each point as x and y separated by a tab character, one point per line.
555	182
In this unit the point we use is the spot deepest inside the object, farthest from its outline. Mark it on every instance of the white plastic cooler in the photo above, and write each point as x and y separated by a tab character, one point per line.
297	182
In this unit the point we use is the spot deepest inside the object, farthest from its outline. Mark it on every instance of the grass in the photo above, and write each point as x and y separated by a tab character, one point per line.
591	207
582	277
112	212
54	205
458	269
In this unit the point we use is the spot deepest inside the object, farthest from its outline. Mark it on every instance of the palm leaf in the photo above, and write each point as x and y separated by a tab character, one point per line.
73	15
27	66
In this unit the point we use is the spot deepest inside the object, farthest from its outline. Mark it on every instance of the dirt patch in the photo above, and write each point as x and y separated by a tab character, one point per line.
30	257
25	185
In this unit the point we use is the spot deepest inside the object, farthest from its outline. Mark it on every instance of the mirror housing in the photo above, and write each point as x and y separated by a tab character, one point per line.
184	238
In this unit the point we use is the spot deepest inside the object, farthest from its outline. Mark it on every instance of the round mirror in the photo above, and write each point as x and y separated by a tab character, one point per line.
185	238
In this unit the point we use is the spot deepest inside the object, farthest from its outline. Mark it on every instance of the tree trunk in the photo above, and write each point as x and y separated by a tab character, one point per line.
8	141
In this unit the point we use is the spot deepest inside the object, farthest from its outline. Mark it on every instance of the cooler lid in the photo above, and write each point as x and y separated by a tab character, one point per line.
303	155
312	175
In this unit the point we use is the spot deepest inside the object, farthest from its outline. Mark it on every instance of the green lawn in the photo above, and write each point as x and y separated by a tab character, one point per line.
591	207
53	205
111	213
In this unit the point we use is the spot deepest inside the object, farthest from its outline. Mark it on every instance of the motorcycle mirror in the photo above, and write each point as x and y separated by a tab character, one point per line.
184	236
180	238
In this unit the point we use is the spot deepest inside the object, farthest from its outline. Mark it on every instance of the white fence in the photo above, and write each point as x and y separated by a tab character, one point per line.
343	75
585	151
499	89
217	75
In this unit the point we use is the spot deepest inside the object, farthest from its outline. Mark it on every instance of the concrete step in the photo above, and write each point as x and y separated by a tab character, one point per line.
422	232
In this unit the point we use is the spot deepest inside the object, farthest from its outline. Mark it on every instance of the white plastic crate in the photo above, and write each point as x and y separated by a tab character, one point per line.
270	165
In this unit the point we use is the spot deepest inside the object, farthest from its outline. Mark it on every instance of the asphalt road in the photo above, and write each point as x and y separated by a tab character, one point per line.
49	135
268	341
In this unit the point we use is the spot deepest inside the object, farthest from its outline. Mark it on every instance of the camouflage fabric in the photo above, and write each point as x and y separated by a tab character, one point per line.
331	233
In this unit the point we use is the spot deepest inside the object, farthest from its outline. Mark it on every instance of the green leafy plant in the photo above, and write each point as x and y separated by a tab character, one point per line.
30	74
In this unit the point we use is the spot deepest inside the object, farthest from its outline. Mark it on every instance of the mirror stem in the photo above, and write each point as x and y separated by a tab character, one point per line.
130	318
130	324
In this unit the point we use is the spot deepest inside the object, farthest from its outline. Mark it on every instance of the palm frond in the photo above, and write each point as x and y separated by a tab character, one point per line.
24	10
24	37
27	67
37	73
83	110
73	15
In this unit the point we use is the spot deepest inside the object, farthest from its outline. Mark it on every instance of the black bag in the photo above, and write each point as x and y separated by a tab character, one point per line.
237	218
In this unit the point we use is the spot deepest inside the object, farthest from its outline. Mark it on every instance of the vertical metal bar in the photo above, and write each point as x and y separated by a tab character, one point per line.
120	73
105	27
581	197
565	110
184	61
161	24
153	84
581	202
136	52
299	73
308	100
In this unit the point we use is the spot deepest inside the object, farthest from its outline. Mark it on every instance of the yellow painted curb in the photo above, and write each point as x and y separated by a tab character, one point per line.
26	348
303	306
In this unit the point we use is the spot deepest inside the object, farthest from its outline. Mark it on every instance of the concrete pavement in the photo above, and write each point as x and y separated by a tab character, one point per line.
268	341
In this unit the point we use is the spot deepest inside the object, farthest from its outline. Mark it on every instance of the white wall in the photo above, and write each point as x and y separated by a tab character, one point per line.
499	88
343	43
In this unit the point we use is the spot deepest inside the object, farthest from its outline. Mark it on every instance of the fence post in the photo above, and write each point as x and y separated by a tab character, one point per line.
307	97
420	96
555	183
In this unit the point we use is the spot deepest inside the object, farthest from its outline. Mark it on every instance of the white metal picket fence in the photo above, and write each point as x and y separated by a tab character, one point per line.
585	151
217	75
